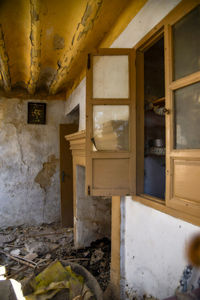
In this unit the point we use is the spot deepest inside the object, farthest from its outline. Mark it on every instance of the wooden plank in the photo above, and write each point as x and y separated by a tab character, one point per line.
185	186
110	101
110	173
174	212
115	270
169	105
187	80
140	121
35	39
66	175
77	135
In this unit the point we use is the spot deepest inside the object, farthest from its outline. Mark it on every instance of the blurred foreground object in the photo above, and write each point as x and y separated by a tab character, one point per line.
193	251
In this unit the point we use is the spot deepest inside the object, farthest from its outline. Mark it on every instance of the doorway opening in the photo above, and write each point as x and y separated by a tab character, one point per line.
153	121
74	116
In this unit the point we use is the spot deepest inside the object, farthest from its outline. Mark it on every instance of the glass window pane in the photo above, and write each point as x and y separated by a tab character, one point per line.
110	76
111	127
187	117
186	39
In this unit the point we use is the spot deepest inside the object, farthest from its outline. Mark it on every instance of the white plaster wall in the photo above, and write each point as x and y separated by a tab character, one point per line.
78	97
24	148
152	243
153	252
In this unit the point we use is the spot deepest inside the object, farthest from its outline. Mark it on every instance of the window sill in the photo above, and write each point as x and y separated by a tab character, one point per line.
158	205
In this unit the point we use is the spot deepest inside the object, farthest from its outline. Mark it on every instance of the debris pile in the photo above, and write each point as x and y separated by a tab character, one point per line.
57	280
23	250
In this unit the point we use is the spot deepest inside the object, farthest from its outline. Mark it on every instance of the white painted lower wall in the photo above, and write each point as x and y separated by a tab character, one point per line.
153	250
152	243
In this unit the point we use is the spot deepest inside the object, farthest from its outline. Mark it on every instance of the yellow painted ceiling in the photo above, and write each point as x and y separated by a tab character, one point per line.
44	43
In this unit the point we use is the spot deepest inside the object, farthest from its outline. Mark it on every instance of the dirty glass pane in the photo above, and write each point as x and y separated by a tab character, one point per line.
111	127
110	76
187	117
186	40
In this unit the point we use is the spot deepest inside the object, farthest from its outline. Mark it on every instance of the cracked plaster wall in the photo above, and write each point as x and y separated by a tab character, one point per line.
29	164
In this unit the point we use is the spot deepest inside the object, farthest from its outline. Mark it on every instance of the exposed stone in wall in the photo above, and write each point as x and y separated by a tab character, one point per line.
29	154
48	170
93	214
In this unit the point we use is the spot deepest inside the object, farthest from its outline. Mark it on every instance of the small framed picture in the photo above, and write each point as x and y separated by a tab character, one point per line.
36	113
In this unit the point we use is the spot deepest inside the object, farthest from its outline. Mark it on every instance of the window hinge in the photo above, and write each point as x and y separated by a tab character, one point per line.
88	190
93	142
88	62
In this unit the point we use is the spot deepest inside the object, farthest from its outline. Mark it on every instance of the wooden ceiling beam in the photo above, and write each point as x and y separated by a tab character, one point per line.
35	39
80	36
4	67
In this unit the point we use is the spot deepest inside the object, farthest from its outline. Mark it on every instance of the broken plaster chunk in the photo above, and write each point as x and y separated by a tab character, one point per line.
31	256
15	252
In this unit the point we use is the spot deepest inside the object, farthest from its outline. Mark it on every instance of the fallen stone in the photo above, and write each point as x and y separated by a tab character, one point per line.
96	256
31	256
6	239
48	256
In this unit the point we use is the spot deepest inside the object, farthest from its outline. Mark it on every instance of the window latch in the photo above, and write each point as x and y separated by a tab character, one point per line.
166	111
88	190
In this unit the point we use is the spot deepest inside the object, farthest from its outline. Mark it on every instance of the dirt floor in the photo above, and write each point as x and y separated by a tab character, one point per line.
23	250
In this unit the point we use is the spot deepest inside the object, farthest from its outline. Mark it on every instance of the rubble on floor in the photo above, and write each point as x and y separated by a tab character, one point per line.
23	250
58	281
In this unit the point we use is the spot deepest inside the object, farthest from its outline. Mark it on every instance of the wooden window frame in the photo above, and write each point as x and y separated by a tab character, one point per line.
109	154
163	28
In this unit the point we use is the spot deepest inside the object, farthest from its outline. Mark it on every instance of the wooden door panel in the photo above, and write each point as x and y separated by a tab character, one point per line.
111	173
111	123
186	181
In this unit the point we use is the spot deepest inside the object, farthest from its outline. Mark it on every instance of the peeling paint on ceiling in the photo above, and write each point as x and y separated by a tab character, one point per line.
44	43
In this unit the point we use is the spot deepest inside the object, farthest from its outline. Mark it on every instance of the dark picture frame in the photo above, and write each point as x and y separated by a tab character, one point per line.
36	113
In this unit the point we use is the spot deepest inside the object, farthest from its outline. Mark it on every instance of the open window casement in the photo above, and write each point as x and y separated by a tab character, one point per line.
183	120
110	123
